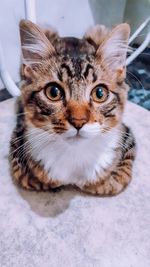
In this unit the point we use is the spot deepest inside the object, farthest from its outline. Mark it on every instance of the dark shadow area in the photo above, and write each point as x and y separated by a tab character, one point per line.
138	78
4	95
49	204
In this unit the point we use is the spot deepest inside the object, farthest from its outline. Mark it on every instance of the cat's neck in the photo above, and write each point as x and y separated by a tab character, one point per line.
73	160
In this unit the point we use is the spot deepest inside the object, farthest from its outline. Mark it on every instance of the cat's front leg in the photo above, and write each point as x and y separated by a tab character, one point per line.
32	177
116	181
110	186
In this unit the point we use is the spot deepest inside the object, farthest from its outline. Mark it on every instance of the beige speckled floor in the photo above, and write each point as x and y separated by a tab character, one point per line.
72	229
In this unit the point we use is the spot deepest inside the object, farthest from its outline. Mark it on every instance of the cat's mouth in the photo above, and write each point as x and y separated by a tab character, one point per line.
74	134
87	132
77	136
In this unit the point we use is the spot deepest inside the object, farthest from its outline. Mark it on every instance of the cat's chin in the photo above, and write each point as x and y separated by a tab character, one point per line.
77	137
74	136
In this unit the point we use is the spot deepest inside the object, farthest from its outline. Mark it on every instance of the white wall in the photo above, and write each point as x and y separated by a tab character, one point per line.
135	13
69	17
11	11
108	12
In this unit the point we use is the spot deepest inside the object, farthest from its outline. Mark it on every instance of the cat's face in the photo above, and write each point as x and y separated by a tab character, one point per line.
74	88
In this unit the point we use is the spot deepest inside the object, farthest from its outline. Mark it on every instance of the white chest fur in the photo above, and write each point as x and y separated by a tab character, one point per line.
73	161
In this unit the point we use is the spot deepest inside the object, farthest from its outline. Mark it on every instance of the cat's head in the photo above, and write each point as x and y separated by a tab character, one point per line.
74	86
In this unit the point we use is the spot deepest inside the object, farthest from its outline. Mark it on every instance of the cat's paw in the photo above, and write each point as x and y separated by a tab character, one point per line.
108	187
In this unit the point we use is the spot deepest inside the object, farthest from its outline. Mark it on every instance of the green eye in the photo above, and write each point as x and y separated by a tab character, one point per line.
99	93
54	92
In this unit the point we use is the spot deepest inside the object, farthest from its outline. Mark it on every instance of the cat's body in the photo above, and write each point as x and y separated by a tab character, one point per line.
69	128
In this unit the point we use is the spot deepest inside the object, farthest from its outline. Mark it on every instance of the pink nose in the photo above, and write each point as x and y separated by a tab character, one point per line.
78	114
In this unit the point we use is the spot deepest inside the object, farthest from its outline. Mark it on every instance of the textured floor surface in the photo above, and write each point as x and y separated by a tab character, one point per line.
70	229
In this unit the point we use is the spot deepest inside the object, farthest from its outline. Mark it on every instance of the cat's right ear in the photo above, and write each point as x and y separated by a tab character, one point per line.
35	45
96	34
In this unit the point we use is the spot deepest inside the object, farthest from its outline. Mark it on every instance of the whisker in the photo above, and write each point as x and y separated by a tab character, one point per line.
130	73
18	114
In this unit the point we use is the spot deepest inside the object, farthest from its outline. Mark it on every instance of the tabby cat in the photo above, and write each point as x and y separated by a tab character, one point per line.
69	126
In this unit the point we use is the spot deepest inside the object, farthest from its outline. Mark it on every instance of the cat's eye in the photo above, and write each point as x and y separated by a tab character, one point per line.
99	93
54	92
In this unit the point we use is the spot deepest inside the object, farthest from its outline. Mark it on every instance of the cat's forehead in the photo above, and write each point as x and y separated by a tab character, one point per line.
76	58
74	47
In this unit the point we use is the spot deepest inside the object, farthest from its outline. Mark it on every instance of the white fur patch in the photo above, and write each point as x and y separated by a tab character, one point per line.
71	159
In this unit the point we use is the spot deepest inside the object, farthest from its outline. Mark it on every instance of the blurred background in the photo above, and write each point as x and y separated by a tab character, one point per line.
74	17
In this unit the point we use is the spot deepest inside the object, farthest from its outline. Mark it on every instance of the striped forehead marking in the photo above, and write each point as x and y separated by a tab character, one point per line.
77	68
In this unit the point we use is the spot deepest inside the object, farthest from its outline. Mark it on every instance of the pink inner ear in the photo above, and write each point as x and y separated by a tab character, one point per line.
27	71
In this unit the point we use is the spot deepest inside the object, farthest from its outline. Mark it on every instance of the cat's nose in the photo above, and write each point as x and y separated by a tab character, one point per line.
77	114
78	123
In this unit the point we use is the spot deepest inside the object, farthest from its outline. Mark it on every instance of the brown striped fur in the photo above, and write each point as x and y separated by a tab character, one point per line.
77	66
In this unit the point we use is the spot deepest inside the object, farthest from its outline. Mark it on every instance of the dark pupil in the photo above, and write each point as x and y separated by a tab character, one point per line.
99	92
54	91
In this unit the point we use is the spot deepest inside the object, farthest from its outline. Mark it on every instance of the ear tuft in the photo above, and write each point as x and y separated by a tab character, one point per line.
51	34
96	34
35	45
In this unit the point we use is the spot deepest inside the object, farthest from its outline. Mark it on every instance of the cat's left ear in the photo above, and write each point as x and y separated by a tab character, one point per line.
35	45
112	52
